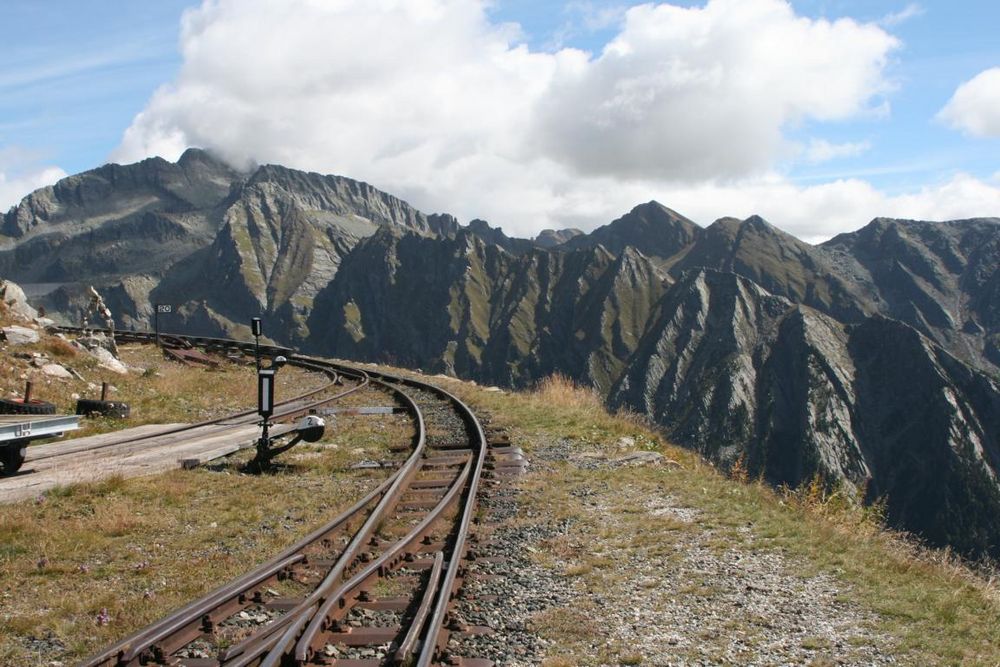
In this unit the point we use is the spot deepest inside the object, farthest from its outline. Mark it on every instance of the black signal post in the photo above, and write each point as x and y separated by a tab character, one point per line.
255	328
265	404
265	393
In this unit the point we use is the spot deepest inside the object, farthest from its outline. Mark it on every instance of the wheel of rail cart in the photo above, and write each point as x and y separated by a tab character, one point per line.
17	406
116	409
12	456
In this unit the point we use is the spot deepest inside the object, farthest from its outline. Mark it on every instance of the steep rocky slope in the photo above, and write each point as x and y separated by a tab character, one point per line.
740	374
939	277
778	262
214	242
115	220
470	307
651	228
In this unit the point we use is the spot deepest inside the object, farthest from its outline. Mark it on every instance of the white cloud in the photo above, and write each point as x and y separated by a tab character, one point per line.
908	12
703	93
975	106
21	173
430	100
821	150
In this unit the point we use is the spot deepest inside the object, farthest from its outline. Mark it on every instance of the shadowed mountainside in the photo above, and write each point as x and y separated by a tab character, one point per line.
876	407
468	307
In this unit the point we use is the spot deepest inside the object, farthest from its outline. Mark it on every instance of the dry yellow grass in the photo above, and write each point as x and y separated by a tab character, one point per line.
85	565
936	609
562	392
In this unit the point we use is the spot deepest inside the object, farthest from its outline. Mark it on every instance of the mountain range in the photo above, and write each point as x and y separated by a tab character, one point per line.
871	360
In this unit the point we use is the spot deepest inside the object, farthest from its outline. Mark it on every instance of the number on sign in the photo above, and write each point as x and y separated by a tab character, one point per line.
163	308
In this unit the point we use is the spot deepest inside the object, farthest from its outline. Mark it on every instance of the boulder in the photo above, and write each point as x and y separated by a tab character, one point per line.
17	303
16	335
56	371
108	360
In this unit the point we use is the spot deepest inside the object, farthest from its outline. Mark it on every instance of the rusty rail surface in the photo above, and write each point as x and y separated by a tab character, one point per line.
435	543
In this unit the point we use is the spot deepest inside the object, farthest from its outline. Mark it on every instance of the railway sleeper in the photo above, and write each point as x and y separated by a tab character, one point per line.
393	603
452	446
417	505
469	662
445	461
283	603
364	636
432	483
426	493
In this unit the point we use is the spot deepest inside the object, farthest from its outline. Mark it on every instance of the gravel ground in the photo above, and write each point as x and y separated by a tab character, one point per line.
706	599
506	593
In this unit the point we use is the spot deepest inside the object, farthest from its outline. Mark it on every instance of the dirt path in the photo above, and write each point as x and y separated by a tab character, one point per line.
602	567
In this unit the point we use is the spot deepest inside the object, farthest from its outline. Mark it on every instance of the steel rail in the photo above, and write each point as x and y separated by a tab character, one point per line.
133	647
194	611
298	628
435	639
387	561
306	363
265	642
471	472
408	646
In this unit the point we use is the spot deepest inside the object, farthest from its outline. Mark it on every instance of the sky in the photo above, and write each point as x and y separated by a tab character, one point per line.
818	115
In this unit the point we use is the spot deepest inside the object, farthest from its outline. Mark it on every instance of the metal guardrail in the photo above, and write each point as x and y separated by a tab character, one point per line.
29	427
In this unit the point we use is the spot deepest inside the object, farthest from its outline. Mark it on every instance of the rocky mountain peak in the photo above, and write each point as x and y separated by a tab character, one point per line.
551	238
495	235
345	200
114	190
656	230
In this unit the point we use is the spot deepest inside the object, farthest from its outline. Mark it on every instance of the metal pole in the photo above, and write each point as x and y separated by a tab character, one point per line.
156	320
256	329
265	440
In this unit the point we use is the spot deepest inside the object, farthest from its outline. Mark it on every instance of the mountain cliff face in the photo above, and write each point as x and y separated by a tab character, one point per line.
941	278
738	373
871	360
651	228
197	234
469	307
778	262
115	220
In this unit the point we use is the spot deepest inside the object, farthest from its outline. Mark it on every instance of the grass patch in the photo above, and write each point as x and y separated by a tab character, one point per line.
937	610
85	565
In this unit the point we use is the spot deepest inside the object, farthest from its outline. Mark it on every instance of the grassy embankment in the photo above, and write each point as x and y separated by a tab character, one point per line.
934	609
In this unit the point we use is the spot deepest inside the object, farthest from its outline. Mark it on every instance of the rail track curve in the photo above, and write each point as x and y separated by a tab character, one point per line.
411	534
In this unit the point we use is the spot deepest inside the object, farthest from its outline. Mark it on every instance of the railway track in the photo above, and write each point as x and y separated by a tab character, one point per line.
155	448
373	586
